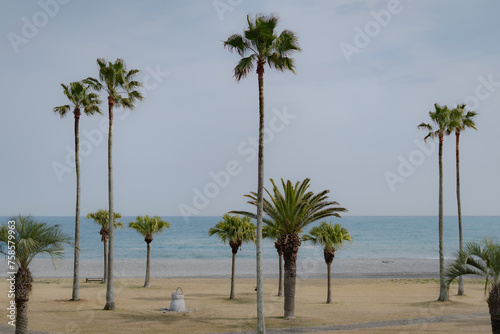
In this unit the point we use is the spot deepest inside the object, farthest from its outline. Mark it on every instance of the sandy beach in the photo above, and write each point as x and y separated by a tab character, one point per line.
380	304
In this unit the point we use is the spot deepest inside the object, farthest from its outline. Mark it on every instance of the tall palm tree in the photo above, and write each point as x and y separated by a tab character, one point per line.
483	259
331	237
101	217
459	121
259	45
81	100
291	211
147	227
441	118
272	232
29	238
236	230
122	91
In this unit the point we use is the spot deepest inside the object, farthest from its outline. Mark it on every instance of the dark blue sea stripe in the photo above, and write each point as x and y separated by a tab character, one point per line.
372	324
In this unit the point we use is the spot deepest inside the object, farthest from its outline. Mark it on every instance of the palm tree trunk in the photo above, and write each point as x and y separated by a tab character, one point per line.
443	291
147	283
280	283
459	206
23	280
110	293
261	326
329	255
291	244
105	278
76	263
329	295
231	295
494	306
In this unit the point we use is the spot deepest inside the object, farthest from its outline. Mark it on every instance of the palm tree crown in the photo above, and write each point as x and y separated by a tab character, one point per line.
116	81
235	230
459	120
478	258
80	96
263	46
331	237
101	217
483	259
441	118
147	226
33	238
295	208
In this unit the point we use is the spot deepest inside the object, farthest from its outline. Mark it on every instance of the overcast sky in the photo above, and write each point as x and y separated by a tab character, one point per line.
369	73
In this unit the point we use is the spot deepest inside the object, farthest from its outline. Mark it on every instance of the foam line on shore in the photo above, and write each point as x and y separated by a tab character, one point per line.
245	268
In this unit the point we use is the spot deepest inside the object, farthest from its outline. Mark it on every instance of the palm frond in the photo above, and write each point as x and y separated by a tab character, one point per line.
236	43
62	110
234	229
147	226
101	217
33	238
244	66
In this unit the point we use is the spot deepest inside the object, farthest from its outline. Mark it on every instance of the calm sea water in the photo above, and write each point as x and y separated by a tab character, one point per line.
373	238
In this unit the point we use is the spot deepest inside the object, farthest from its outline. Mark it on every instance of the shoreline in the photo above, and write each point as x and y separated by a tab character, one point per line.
245	268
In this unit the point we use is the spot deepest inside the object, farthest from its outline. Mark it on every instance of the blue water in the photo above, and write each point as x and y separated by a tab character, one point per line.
373	238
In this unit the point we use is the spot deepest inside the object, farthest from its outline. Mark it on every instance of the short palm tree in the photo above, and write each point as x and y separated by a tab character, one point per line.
291	211
483	259
441	118
271	231
82	100
101	217
332	238
147	226
459	121
259	45
29	239
121	87
236	230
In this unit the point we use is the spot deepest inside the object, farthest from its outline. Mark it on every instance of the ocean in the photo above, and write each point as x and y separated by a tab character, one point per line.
373	238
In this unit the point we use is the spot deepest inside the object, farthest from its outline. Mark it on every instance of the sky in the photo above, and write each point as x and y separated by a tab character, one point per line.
368	74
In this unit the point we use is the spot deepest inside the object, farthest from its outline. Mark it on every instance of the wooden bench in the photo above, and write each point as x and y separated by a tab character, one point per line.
101	280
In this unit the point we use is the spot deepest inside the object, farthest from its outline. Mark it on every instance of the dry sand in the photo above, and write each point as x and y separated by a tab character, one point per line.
359	306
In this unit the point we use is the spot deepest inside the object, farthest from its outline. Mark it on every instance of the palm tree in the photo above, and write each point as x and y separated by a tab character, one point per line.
115	80
101	217
441	118
257	46
331	237
272	232
291	212
236	230
81	100
29	238
483	259
147	227
458	123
